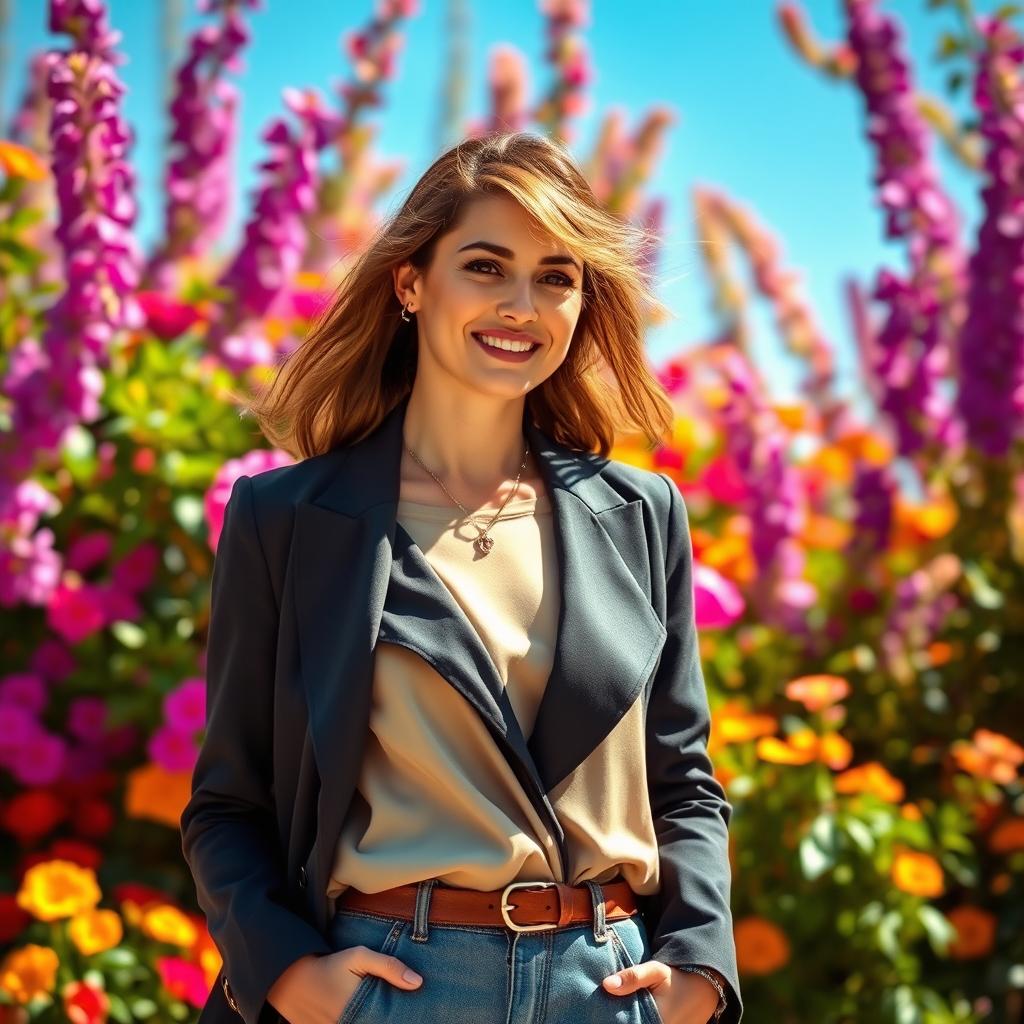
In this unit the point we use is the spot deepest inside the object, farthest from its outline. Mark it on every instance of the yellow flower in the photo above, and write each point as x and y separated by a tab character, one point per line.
54	889
168	924
28	972
917	873
94	931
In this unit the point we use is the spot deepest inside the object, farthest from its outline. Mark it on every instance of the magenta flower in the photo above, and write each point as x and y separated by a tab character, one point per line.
25	690
52	660
136	570
184	979
87	718
167	318
88	550
185	707
259	460
75	611
30	569
40	759
172	749
17	725
718	603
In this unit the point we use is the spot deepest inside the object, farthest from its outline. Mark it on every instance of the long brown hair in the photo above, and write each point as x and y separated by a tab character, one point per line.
359	357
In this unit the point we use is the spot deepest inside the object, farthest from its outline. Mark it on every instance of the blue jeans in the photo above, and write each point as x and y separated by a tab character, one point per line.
482	974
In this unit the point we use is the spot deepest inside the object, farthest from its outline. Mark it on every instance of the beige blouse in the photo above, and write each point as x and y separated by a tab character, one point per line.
436	797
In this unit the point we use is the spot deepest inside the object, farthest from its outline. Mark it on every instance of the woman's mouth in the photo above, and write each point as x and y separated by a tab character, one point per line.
507	355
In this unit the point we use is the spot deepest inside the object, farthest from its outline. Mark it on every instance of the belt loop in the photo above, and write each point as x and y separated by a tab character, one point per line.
597	898
419	926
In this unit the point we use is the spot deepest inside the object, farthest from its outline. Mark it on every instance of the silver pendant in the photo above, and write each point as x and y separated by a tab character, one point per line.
484	543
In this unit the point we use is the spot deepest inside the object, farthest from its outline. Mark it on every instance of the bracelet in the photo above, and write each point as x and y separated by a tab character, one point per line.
722	1002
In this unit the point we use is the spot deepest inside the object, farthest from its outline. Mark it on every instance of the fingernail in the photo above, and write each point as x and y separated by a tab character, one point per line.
614	981
410	975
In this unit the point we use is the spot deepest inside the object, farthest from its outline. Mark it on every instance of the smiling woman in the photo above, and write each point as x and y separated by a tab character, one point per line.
455	762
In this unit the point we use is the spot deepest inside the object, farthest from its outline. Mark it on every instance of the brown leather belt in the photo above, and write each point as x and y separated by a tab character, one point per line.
537	905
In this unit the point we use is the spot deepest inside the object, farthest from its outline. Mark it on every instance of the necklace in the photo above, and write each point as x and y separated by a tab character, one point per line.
485	541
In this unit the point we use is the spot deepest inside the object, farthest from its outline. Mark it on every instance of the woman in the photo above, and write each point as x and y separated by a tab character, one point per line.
456	717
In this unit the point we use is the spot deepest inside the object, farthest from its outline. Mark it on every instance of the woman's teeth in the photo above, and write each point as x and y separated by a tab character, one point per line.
506	343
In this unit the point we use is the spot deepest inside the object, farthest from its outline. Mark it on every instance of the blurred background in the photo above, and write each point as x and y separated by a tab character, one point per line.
837	188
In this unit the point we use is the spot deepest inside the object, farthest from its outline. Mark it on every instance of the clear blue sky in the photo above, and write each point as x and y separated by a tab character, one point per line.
750	119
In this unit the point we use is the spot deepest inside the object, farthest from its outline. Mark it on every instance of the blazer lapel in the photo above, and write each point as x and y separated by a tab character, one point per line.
608	638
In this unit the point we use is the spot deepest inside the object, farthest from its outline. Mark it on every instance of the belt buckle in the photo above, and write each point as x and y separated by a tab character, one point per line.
506	906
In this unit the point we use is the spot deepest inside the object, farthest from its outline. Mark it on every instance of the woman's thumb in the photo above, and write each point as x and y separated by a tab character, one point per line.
392	969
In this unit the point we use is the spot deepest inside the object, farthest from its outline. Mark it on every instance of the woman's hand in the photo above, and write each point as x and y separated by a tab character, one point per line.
682	997
316	989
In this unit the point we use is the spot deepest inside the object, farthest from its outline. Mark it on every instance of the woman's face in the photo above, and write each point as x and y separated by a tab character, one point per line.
496	273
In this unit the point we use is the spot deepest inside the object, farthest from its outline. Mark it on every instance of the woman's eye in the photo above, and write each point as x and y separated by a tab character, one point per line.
563	281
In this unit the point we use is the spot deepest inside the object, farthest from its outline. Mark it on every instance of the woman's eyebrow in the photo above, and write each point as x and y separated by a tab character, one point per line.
508	254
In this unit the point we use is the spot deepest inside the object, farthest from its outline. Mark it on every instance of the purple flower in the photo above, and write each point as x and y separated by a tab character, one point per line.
991	346
910	353
39	760
52	660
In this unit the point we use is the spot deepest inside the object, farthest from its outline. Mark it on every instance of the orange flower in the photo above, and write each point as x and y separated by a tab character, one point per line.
761	946
152	792
28	972
975	932
917	873
835	751
167	923
825	533
18	162
911	812
731	724
989	755
94	931
1007	836
818	691
53	889
871	777
929	520
776	751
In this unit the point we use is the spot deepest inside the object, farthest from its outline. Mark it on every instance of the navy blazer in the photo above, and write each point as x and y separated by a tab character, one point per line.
298	588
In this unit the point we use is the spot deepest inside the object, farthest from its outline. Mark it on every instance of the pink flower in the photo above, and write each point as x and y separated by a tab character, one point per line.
24	690
259	460
166	317
717	600
172	749
183	980
116	604
75	611
185	707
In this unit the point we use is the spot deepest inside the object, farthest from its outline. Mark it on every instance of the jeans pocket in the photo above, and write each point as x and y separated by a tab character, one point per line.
367	932
625	933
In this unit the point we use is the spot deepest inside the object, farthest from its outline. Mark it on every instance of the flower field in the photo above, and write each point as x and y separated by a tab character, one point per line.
859	576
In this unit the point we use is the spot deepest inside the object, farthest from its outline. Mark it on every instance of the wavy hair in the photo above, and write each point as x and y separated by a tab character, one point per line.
358	359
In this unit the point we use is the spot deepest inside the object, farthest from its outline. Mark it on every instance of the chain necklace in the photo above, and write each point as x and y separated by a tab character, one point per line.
485	541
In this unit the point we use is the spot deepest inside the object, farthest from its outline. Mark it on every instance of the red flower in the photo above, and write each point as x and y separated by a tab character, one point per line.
32	814
85	1004
84	854
93	819
13	920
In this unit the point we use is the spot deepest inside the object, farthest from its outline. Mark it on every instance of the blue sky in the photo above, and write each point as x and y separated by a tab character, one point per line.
751	120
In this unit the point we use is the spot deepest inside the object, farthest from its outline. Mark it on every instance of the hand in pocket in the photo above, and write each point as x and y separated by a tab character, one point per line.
317	989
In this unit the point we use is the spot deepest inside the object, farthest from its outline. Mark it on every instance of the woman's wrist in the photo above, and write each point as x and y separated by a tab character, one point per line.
716	979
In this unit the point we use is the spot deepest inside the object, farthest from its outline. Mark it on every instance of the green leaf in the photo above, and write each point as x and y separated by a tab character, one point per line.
119	1009
937	926
144	1008
814	861
860	834
129	634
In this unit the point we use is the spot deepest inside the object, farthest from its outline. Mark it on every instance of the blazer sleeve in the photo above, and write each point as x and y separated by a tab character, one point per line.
692	919
228	827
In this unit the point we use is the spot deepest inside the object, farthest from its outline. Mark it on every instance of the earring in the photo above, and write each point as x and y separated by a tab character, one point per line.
405	317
